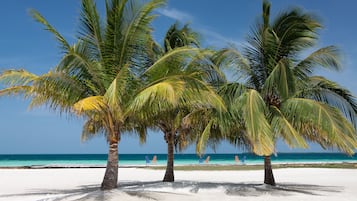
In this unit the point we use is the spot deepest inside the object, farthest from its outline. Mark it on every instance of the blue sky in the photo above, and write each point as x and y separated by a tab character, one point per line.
24	44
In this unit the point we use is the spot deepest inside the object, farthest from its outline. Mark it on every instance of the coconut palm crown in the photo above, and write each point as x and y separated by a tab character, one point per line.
189	91
97	76
277	94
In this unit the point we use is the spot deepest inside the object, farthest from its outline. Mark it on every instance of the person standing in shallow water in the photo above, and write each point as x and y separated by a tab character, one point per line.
236	159
243	160
154	159
147	160
207	159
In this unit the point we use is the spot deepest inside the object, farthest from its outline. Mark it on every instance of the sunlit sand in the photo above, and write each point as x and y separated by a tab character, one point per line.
145	184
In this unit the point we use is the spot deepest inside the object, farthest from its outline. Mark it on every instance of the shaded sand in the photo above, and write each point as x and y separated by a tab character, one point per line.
145	184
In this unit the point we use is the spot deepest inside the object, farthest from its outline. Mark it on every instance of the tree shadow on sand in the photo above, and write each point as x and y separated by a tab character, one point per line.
154	190
234	189
56	195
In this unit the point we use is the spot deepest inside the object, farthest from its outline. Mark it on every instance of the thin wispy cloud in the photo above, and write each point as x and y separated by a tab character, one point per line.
176	14
216	39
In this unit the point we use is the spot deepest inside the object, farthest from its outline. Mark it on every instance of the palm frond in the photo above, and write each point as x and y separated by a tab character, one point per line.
57	90
206	63
327	57
17	77
61	40
296	31
118	88
133	19
17	82
89	104
17	90
258	128
266	13
92	128
286	130
199	94
281	79
142	133
321	123
160	96
172	61
326	91
78	62
91	28
231	58
176	37
203	139
231	91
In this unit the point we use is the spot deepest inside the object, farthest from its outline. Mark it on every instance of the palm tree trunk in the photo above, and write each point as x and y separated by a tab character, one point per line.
111	173
169	174
268	171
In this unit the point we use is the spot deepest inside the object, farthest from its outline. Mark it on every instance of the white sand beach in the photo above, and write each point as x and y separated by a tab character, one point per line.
145	184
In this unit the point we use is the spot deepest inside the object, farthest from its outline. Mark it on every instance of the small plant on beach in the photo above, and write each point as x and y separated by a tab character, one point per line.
277	95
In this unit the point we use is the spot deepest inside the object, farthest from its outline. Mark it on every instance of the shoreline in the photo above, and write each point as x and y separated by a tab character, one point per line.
348	165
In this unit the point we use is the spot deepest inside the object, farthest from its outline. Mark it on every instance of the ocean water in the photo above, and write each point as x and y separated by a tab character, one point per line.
180	159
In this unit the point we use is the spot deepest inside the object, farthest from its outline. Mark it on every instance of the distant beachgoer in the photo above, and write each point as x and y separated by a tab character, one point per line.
236	159
147	160
243	159
200	160
154	159
207	159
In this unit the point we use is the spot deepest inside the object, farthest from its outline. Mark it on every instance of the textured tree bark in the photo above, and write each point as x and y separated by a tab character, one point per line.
111	173
268	171
169	174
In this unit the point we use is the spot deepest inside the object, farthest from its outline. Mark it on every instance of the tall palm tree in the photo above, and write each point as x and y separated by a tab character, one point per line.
190	93
97	76
277	94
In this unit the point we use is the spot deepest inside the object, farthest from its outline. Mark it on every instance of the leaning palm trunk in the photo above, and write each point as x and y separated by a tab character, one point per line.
169	174
111	173
268	171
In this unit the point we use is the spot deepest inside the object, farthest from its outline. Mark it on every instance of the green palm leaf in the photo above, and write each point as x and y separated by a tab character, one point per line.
19	82
258	128
160	96
323	90
281	79
321	123
134	21
17	90
57	90
286	130
91	28
78	62
296	30
327	57
172	62
232	58
39	18
203	138
91	128
90	104
17	77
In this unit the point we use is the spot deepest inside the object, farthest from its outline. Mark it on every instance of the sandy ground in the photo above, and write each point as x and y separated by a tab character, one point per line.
143	184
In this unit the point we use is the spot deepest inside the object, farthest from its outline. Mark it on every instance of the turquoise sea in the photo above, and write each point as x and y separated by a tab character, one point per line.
180	159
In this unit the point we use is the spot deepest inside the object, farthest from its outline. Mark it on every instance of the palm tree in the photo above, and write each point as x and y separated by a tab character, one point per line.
277	95
96	77
189	93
